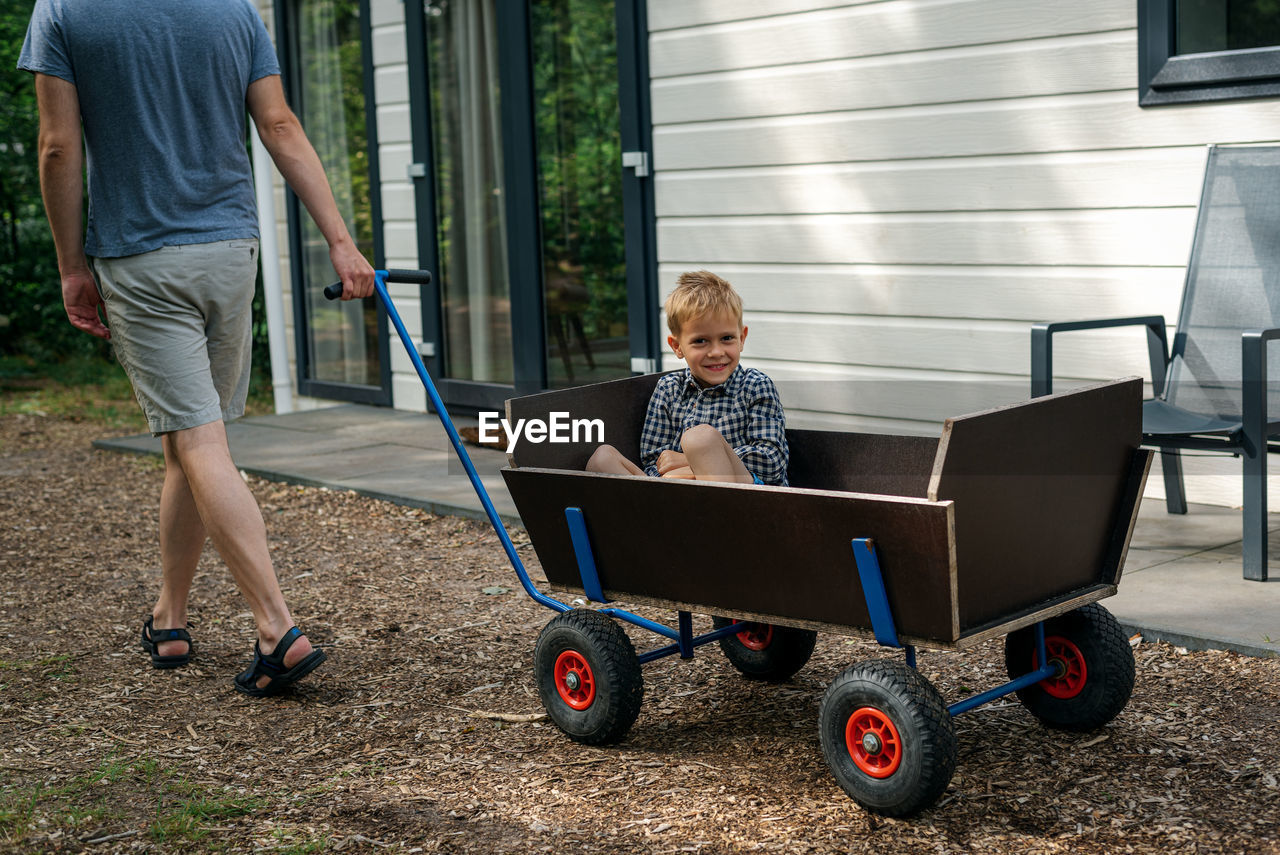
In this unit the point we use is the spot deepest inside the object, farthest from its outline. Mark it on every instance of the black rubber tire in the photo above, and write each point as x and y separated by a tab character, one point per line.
926	744
787	652
1108	669
614	669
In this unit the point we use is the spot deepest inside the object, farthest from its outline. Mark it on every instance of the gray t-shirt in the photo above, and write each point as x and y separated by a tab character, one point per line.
162	87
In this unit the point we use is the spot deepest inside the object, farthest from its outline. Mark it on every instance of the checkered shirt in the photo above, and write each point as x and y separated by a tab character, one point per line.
745	409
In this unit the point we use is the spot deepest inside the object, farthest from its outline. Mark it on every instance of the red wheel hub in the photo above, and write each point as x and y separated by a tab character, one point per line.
873	742
1072	671
574	680
756	636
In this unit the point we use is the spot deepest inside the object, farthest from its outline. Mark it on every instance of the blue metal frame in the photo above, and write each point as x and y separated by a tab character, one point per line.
886	632
380	285
864	554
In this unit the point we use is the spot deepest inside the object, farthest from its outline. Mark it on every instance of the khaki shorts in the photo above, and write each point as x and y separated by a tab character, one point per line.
180	325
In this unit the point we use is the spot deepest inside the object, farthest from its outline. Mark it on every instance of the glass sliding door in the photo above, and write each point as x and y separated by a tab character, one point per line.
539	237
579	143
341	351
470	211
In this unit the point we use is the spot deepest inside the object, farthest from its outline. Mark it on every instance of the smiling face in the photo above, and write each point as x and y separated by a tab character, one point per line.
711	345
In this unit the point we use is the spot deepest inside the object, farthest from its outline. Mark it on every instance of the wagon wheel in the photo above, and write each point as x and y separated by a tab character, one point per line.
588	676
1095	669
766	652
888	738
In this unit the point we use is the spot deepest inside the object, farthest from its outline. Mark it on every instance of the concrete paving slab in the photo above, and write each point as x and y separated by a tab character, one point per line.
1202	527
1142	559
332	418
415	433
1201	602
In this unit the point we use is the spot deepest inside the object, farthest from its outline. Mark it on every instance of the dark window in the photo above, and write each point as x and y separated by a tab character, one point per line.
1207	50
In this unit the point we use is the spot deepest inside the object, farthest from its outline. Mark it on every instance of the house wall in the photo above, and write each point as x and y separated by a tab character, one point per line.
899	188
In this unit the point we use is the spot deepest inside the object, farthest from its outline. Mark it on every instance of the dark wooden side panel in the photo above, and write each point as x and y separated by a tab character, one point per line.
767	550
861	462
1041	490
619	404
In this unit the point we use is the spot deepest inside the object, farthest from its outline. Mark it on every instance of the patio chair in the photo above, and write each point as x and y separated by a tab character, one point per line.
1211	392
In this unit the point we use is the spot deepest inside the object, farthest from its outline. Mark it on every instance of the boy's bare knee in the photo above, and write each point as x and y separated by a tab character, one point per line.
701	438
601	459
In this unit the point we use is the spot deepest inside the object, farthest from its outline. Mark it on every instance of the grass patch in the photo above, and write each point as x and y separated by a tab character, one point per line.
80	389
56	667
92	390
191	818
122	794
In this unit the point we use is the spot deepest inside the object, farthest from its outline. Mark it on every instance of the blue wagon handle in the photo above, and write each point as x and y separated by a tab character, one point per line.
423	277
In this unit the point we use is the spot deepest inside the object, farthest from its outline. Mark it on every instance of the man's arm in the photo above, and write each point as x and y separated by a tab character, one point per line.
294	156
61	159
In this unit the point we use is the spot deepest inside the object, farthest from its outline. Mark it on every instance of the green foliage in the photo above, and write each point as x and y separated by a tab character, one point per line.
191	818
184	812
82	389
32	320
579	161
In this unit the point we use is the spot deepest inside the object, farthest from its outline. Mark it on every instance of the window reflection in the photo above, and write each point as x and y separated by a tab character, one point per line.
330	102
462	47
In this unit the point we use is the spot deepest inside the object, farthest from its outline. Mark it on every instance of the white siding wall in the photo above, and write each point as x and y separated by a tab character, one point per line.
899	188
391	94
399	222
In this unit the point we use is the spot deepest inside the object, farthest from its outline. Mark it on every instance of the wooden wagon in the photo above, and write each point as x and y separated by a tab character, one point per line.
1015	522
1012	518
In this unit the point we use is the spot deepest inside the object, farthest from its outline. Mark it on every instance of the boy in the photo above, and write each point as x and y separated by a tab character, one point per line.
713	421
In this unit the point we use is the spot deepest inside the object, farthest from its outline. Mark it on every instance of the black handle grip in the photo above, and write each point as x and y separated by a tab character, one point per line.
413	277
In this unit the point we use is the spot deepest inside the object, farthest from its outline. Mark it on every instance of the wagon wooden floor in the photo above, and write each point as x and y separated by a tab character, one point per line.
403	742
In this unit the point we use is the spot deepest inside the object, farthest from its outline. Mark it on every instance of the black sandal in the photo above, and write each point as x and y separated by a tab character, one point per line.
272	665
152	638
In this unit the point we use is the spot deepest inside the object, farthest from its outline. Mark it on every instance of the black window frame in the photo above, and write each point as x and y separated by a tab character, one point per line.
1167	78
287	52
520	167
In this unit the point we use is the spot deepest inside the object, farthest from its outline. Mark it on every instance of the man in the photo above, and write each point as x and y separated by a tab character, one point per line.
156	92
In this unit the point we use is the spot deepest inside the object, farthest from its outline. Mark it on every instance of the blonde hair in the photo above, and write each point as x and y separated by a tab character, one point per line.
699	293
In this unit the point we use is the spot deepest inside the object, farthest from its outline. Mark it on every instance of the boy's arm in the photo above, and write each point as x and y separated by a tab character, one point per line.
659	433
765	452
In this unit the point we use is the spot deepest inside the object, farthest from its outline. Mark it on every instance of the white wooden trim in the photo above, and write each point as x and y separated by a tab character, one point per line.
1043	238
1091	62
1091	122
1134	178
950	345
868	29
1011	293
675	14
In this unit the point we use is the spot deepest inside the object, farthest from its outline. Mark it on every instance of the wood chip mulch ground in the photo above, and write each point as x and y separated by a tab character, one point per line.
423	732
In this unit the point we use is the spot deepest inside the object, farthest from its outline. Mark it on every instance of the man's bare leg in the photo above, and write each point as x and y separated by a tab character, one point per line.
233	521
609	460
711	457
182	539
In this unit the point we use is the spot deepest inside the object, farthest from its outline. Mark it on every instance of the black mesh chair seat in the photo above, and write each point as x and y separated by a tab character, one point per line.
1160	418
